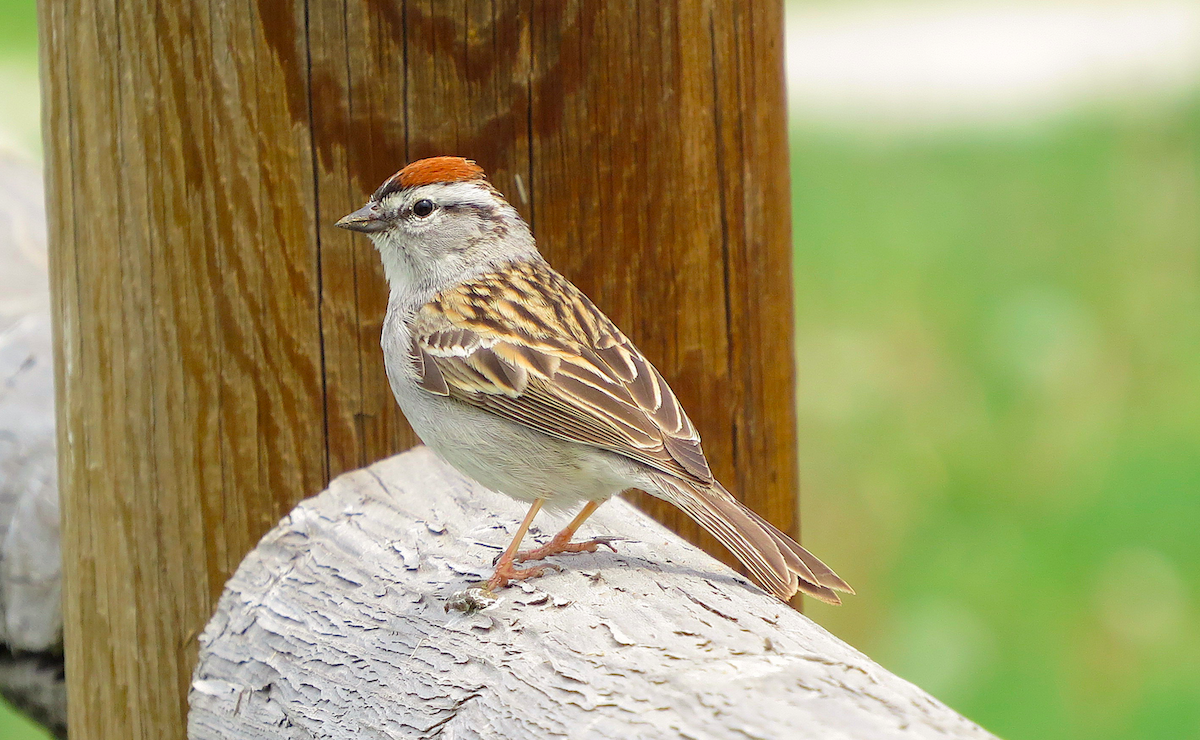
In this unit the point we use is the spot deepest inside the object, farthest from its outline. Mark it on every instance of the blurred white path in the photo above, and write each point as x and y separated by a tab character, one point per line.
932	63
918	64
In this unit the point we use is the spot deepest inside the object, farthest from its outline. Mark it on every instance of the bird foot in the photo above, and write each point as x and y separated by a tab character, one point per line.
558	546
506	574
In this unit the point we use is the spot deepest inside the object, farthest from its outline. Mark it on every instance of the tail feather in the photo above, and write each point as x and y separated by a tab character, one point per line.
778	563
751	545
822	574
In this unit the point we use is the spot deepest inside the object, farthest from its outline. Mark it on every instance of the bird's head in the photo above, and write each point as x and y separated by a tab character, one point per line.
438	221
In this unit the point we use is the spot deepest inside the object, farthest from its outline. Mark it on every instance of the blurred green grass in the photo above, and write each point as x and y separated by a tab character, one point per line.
14	726
18	77
18	31
998	339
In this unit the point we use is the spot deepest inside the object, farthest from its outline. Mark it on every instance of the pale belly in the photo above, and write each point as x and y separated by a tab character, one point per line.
510	458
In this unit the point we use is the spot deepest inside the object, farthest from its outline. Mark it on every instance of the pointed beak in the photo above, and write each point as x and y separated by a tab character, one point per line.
367	219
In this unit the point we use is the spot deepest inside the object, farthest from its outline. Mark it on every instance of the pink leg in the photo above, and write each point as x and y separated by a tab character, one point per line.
505	572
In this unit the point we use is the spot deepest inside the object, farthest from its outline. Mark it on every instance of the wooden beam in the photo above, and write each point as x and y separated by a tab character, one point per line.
217	344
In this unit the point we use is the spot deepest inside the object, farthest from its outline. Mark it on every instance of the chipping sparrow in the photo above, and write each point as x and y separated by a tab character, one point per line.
511	375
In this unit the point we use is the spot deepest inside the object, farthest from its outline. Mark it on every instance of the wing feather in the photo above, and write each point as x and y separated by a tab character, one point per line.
526	345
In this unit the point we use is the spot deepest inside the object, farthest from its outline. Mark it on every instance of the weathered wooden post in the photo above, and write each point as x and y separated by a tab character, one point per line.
217	339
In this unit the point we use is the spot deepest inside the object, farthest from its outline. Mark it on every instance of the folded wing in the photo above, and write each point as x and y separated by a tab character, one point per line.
526	345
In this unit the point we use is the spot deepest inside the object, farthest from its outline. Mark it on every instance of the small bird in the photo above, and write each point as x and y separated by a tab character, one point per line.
512	376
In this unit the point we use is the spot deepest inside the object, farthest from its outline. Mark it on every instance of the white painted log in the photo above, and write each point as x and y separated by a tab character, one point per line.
31	664
30	564
337	626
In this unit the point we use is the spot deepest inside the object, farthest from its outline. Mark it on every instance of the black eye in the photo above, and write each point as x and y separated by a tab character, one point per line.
423	208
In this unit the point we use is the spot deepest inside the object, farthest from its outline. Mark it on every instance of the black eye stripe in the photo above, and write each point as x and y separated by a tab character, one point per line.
423	208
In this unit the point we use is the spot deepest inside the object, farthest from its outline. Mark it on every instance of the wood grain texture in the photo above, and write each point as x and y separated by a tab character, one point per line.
336	627
218	338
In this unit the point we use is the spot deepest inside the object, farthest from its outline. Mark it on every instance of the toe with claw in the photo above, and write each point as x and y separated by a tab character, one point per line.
559	546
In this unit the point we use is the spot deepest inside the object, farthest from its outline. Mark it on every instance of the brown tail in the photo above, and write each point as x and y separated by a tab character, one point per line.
777	562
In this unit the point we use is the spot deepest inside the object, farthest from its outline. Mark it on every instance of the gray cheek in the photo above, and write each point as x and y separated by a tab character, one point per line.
454	240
